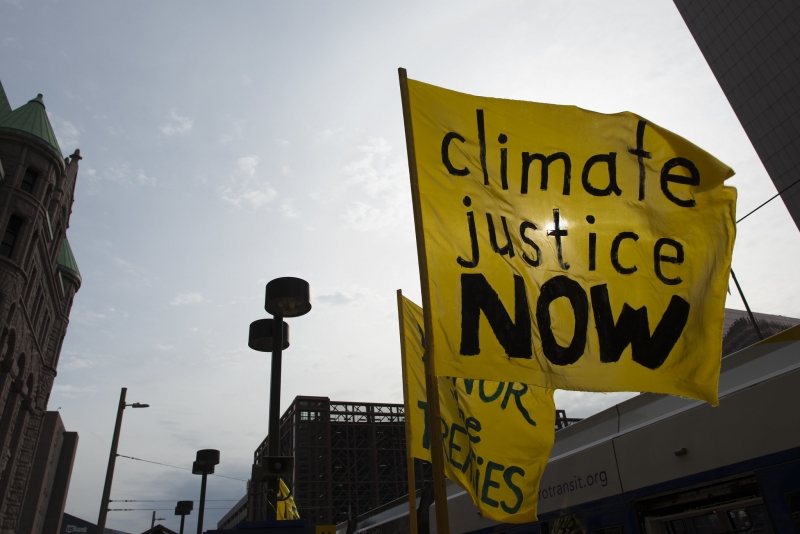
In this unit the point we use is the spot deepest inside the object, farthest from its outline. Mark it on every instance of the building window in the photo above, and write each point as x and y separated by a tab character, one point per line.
28	180
10	236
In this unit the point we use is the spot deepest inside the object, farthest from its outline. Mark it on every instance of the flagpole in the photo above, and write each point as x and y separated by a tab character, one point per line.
432	386
412	483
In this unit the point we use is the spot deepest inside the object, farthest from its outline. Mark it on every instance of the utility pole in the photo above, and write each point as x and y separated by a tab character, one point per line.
112	460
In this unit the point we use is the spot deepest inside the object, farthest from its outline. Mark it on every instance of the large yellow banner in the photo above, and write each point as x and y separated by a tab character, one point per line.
569	249
497	436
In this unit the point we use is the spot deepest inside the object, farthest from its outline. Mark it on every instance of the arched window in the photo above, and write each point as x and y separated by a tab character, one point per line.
7	358
21	363
30	387
29	180
13	229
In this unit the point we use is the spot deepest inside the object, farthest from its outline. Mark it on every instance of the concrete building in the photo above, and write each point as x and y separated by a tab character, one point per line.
48	484
349	457
75	525
346	454
38	281
753	48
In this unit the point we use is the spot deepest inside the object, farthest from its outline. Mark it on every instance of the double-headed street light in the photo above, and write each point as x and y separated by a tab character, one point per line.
285	297
204	464
112	459
183	509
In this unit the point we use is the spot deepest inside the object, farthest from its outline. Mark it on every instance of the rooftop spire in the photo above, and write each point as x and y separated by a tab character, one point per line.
30	120
5	107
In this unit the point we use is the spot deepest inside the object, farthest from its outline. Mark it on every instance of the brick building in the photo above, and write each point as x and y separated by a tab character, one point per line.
38	280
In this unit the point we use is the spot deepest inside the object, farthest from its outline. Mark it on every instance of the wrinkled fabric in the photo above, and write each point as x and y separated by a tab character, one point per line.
497	436
569	249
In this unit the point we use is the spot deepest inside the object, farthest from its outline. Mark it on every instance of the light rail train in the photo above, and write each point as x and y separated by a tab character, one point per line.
657	464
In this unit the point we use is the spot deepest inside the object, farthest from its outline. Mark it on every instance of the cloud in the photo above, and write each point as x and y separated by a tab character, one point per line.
67	134
88	317
246	80
78	362
584	403
82	316
187	298
382	176
159	346
72	392
121	174
176	124
288	210
12	42
245	187
235	131
344	298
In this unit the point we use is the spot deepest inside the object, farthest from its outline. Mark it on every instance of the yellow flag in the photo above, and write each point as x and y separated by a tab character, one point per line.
286	506
566	248
497	436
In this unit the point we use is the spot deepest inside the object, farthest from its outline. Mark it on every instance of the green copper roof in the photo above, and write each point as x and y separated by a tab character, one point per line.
5	107
66	260
31	120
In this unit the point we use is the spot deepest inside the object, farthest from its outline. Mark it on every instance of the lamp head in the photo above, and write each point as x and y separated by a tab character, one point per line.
184	508
139	405
207	457
199	469
261	335
288	297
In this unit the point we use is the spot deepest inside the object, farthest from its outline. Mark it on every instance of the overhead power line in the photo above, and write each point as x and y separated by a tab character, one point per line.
152	509
171	500
770	200
176	467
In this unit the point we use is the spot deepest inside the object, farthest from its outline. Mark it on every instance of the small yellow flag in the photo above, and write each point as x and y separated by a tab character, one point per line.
497	436
286	506
569	249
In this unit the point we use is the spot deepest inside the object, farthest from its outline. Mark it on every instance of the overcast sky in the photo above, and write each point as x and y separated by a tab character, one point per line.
227	144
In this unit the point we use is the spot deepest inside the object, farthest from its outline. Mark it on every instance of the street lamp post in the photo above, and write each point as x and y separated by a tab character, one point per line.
153	521
204	465
285	297
183	509
112	459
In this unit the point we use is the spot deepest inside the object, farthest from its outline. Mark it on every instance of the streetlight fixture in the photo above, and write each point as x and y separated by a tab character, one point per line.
285	297
183	509
204	464
112	459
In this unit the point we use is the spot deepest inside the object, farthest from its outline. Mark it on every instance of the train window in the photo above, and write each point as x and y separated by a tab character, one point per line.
677	527
759	519
740	519
616	529
708	524
566	524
